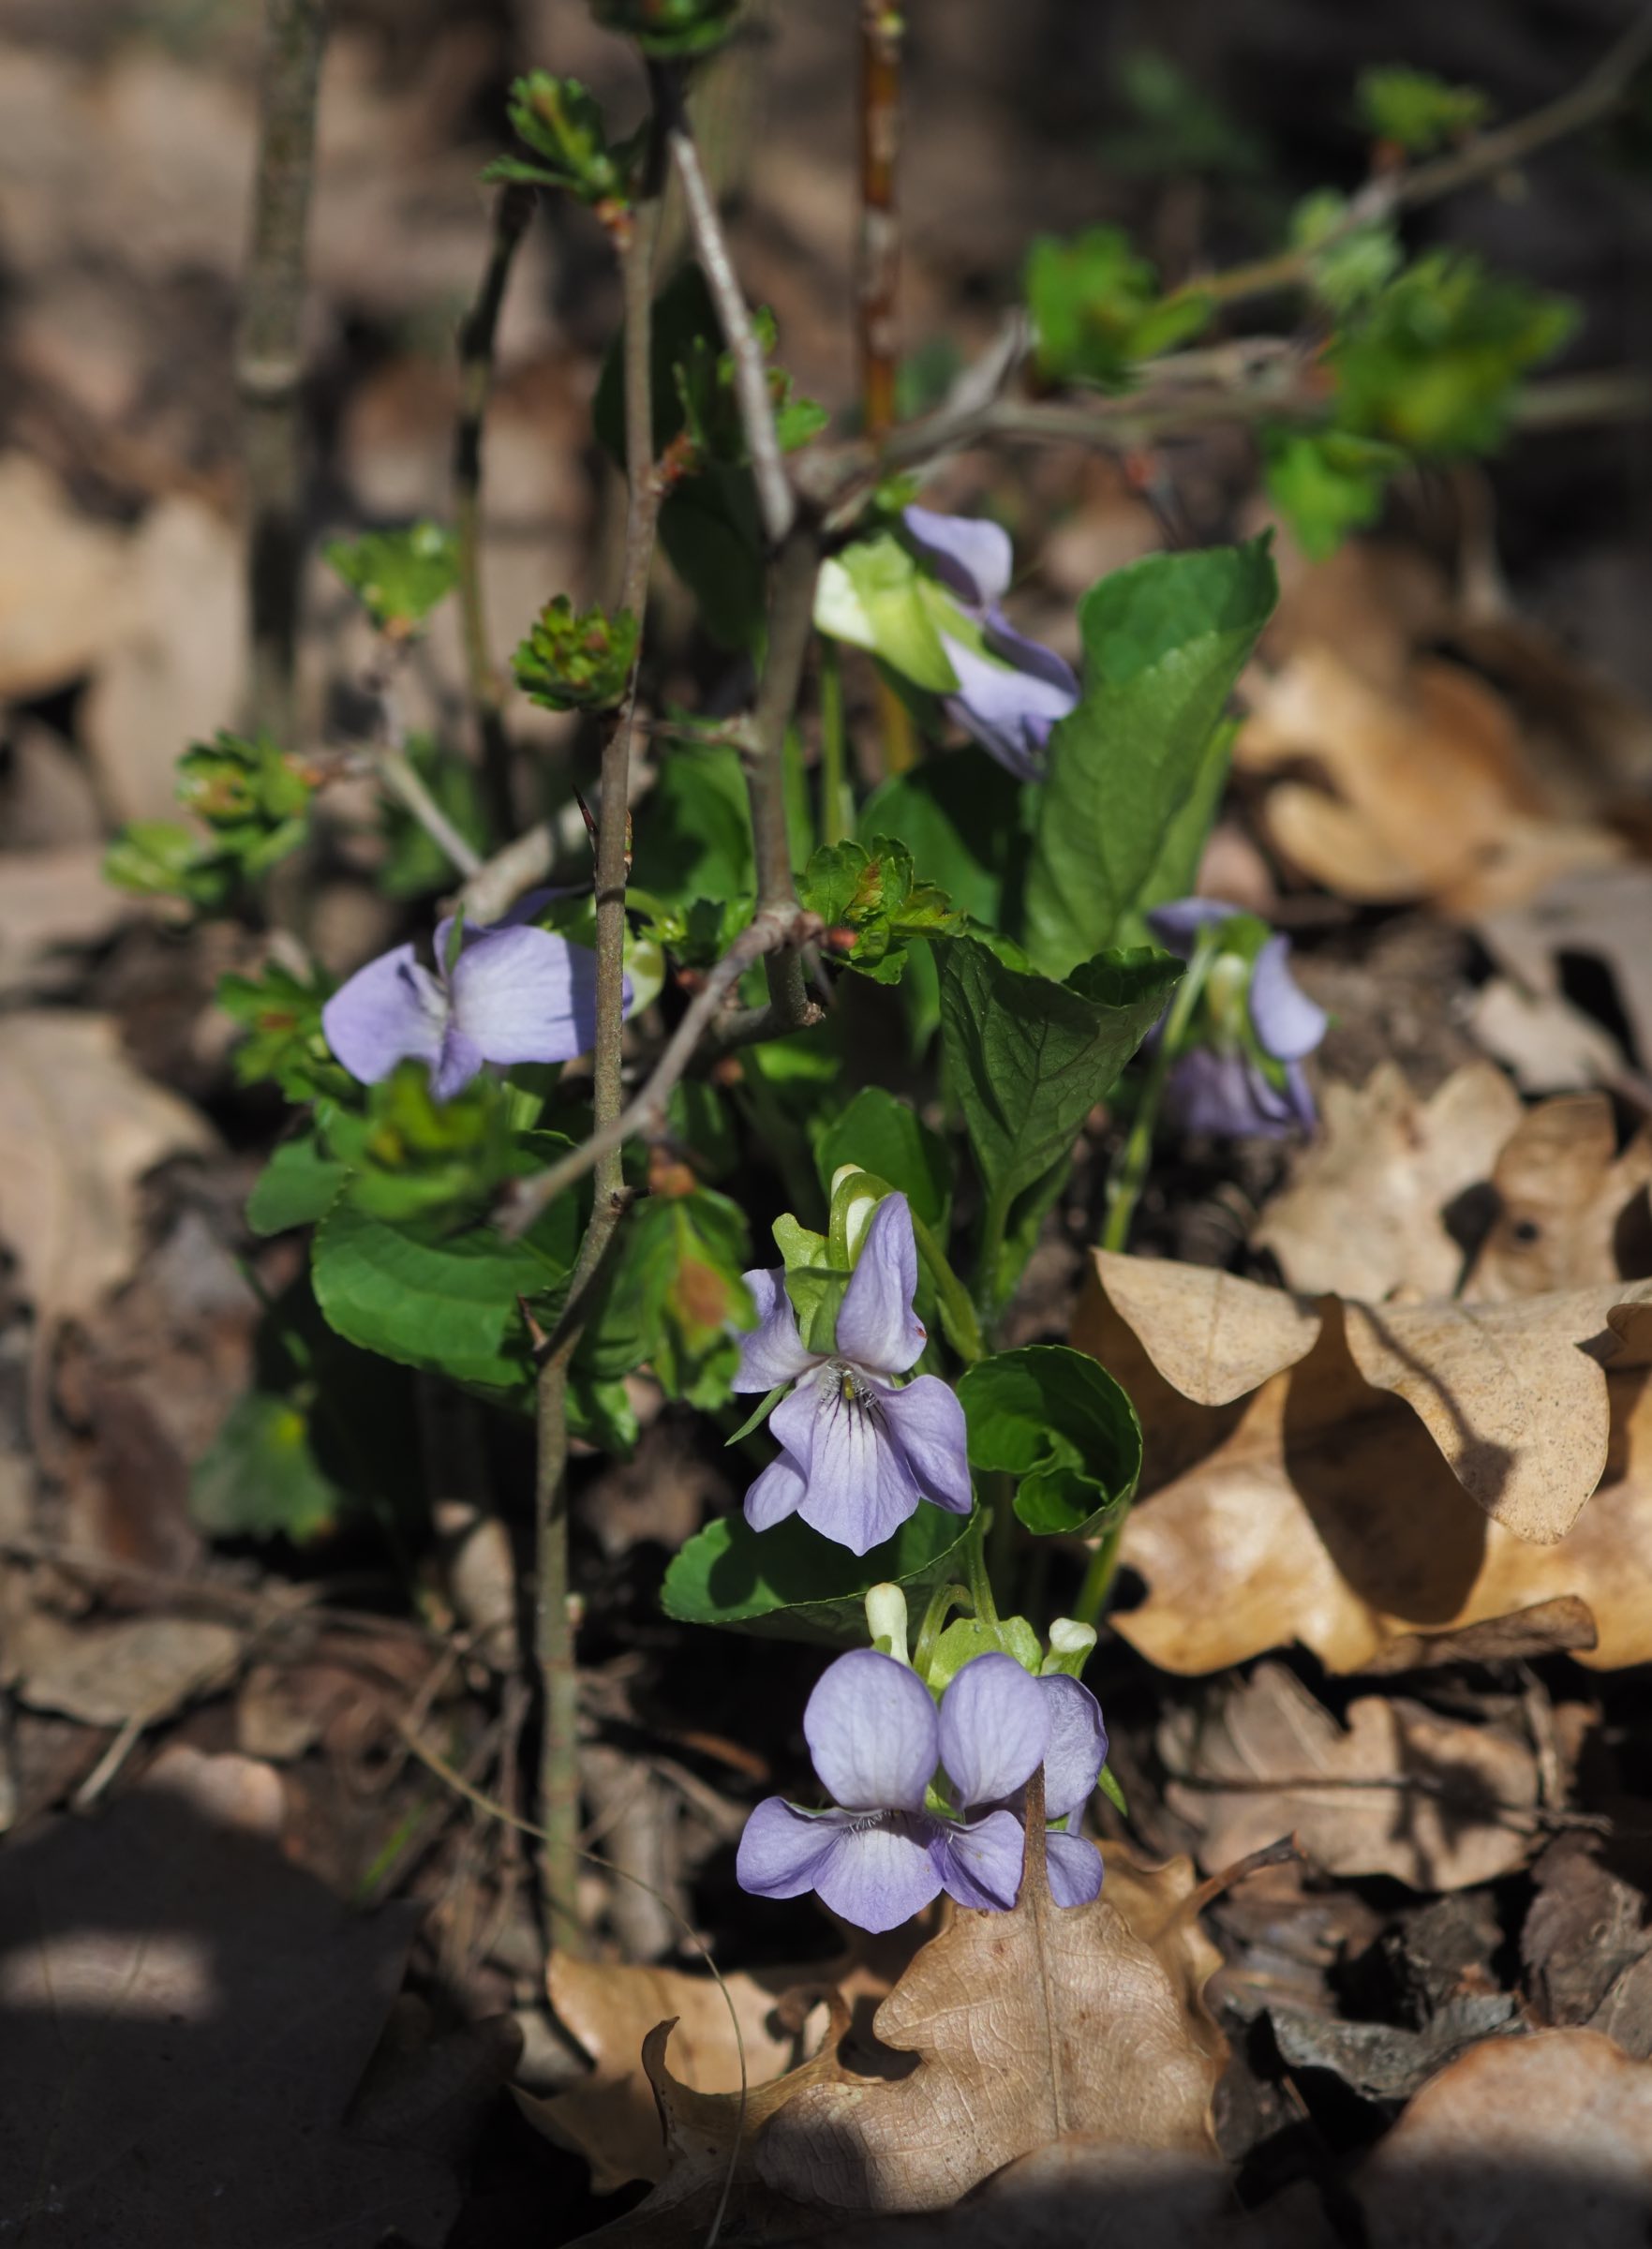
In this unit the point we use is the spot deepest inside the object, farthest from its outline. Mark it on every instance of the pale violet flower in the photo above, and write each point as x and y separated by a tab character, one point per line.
889	1846
1245	1078
858	1451
512	994
1008	707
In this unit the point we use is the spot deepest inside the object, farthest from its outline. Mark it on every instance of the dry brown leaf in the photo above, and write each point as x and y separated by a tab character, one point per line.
1548	1628
1361	1214
1030	2027
1210	1335
134	1668
1320	1510
1572	1211
1549	1046
1606	913
53	899
1430	792
1539	2139
78	1128
612	2118
1437	1803
62	576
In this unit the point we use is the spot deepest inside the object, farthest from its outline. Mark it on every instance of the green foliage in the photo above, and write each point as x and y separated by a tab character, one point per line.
1164	642
887	1137
1326	483
1096	308
324	1439
563	125
1433	364
791	1584
1058	1423
398	576
428	1295
1178	126
1027	1059
295	1186
967	1637
1416	111
577	659
964	819
1347	264
253	800
281	1014
412	1156
670	30
694	855
677	1296
876	898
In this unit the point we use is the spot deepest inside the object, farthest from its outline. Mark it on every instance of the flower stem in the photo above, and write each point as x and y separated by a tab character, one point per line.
974	1551
1130	1168
837	811
1098	1578
958	1315
943	1600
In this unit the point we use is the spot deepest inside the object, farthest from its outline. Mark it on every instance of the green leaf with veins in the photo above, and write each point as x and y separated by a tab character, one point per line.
877	895
791	1584
1063	1427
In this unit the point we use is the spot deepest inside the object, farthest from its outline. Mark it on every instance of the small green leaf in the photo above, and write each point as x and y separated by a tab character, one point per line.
1165	639
398	576
671	30
1058	1423
563	124
1418	112
792	1584
967	1637
877	897
1028	1059
1327	483
294	1187
577	659
1347	265
964	821
693	830
281	1014
1096	308
1106	1781
886	1137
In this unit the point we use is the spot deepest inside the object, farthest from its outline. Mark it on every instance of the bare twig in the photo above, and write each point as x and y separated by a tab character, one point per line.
396	771
512	213
1483	157
879	265
269	357
553	1638
776	502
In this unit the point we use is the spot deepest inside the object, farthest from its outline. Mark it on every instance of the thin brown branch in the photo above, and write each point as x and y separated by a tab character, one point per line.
878	267
1483	157
554	1634
269	354
775	502
477	338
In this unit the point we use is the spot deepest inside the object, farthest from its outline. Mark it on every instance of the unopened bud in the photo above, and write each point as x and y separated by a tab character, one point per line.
858	1209
1070	1644
885	1621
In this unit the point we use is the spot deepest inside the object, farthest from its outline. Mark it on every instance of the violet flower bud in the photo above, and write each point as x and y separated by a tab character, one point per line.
1244	1078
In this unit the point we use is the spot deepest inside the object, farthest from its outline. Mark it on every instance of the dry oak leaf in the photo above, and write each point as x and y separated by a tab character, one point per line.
1572	1211
1439	1804
1361	1214
1546	2139
1030	2027
1604	912
78	1128
1431	795
611	2117
1319	1509
133	1669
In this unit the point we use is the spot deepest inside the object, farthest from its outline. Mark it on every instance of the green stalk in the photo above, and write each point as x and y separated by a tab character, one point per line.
980	1581
1136	1157
1098	1578
837	817
943	1600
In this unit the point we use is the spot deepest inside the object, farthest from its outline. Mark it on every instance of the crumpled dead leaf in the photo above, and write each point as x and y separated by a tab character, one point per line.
1437	1803
612	2118
51	900
1361	1214
131	1668
1604	912
1546	2139
61	573
1572	1211
181	2010
1320	1507
1042	2024
1431	795
78	1128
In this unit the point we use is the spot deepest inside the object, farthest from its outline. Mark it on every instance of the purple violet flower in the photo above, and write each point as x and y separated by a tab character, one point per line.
857	1451
1222	1088
885	1850
1008	707
512	994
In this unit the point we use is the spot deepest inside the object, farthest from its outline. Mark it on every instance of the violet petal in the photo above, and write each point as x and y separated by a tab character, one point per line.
778	1493
771	1352
876	1325
784	1851
1287	1023
969	554
459	1061
1077	1745
881	1873
388	1011
1073	1867
526	995
860	1489
925	1423
1177	926
994	1728
872	1732
980	1865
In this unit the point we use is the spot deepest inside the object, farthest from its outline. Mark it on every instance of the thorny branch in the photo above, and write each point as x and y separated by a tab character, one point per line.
512	213
269	358
554	1637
